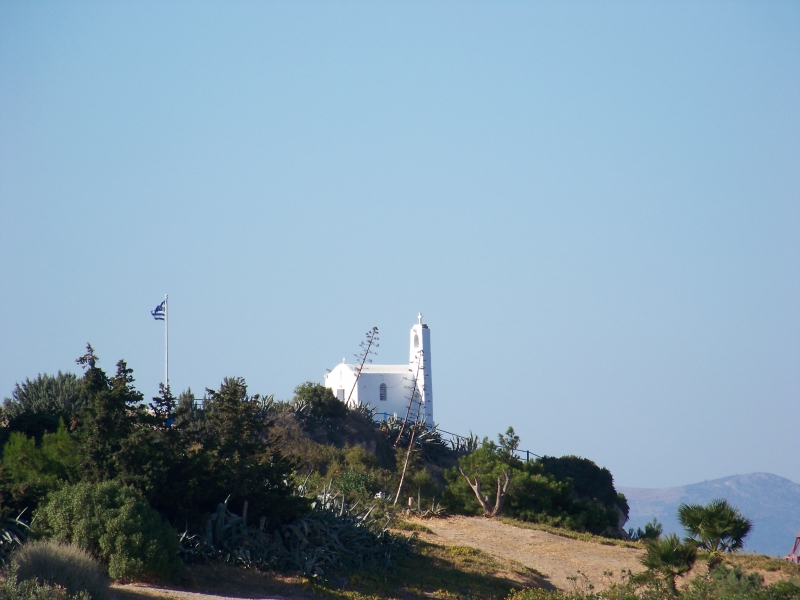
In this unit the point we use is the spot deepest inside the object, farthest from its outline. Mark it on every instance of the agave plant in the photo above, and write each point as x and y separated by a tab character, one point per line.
465	444
427	439
333	536
227	538
301	408
365	410
13	533
266	405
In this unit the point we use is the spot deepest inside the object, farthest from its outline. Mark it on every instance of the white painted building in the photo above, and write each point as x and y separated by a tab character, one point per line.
388	388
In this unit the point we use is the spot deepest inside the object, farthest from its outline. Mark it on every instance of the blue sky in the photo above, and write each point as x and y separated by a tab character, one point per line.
596	206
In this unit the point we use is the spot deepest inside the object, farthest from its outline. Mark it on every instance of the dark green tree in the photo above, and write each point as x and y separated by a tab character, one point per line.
174	477
36	406
112	412
163	408
55	395
118	438
589	481
245	465
319	400
509	442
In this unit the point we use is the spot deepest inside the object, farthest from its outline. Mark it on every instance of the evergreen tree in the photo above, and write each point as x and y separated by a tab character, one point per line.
108	420
245	465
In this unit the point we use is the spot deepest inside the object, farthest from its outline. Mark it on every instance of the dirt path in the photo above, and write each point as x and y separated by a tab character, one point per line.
132	592
554	556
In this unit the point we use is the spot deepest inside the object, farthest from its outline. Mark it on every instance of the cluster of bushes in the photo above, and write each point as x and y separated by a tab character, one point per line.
180	459
568	492
119	477
105	471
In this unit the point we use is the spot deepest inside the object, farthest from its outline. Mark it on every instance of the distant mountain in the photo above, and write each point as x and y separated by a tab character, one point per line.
771	502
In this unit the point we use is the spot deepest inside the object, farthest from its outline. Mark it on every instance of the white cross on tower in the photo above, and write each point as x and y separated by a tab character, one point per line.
419	318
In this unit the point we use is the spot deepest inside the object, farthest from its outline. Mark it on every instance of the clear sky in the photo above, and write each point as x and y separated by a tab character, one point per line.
595	205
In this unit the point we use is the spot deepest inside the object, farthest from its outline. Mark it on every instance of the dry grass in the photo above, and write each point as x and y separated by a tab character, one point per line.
430	571
584	537
763	564
401	525
442	572
62	564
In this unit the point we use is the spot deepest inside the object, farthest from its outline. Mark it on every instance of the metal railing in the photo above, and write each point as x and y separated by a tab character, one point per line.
520	454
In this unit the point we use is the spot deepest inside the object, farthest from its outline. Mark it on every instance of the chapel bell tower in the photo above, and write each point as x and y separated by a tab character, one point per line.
419	364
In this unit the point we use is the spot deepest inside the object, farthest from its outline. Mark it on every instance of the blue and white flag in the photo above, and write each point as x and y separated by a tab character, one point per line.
158	313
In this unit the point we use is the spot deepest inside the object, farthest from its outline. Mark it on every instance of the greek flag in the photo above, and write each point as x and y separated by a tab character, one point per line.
158	312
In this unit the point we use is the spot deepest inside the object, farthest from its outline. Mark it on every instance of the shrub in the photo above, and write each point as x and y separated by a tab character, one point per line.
353	482
54	459
784	590
63	565
13	589
589	481
113	522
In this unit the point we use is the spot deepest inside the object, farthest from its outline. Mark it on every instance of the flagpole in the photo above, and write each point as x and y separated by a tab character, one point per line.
166	339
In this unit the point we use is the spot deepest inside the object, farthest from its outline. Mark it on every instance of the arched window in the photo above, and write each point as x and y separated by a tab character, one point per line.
383	392
416	341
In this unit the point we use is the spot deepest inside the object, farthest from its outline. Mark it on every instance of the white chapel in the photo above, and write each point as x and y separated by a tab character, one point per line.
389	388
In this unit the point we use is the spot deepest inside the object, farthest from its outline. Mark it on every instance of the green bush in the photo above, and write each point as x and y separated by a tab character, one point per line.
30	589
52	461
353	482
64	565
534	494
589	481
113	522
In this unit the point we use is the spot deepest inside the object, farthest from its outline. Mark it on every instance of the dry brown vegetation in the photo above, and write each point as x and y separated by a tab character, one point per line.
455	557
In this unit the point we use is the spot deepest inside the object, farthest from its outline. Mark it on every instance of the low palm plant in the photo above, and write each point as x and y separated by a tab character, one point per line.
716	527
668	557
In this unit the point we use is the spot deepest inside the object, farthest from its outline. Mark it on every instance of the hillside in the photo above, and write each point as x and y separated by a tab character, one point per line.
562	561
771	502
466	557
